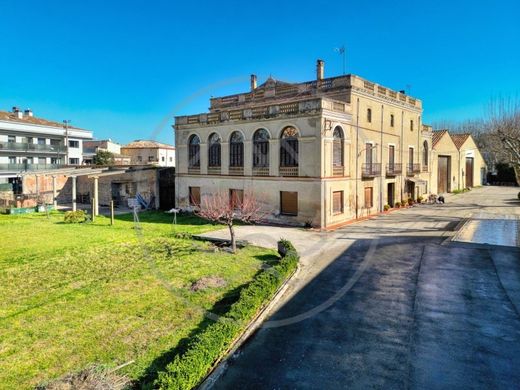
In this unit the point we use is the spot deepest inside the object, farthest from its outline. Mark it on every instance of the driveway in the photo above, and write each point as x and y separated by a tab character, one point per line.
393	303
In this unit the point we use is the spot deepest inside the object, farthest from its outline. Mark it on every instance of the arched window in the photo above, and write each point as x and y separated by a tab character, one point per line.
337	147
194	151
289	147
425	153
214	150
261	149
236	149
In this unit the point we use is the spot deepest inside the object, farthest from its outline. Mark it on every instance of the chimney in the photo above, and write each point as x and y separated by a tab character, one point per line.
17	112
28	112
320	65
253	82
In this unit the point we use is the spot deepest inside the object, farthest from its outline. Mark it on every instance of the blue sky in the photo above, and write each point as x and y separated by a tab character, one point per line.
124	68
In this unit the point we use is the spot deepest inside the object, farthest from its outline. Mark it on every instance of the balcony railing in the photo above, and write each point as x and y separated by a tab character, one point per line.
27	147
413	168
394	169
29	167
214	170
288	171
370	170
260	171
236	171
194	170
338	170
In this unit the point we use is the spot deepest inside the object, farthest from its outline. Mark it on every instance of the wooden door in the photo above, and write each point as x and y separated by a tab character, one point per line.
443	175
390	194
469	171
288	203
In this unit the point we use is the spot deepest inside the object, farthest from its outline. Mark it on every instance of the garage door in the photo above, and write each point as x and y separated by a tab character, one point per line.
469	171
443	181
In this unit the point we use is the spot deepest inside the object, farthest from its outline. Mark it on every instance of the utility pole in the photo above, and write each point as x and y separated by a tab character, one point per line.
66	122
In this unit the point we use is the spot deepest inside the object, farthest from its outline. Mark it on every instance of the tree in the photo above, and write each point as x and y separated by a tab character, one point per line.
226	209
504	122
103	157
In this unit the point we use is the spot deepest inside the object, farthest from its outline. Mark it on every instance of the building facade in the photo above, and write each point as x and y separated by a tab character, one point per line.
31	143
319	153
143	152
90	149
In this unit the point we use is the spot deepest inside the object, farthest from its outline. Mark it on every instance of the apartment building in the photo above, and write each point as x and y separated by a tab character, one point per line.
321	152
146	152
31	143
91	148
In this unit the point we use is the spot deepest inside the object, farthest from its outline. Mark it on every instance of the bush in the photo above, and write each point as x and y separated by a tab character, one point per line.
386	207
189	369
420	199
397	205
285	246
410	201
403	203
77	216
183	235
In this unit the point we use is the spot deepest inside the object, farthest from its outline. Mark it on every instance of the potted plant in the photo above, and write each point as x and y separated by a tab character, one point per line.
410	202
397	205
420	199
404	203
386	207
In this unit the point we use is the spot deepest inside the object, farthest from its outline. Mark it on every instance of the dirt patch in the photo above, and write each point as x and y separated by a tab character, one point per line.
89	379
208	282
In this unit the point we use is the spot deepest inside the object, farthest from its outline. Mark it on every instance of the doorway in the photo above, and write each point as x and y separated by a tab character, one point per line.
469	171
443	174
390	194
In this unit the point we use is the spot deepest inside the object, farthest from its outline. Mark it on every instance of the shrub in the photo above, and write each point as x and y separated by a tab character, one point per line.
410	201
386	207
404	203
183	235
77	216
284	246
189	369
420	199
397	205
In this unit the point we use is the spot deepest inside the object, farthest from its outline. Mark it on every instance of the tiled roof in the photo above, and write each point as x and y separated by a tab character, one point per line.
9	116
437	135
459	139
147	144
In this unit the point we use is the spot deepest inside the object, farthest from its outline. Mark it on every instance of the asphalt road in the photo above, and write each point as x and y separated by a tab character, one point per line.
421	314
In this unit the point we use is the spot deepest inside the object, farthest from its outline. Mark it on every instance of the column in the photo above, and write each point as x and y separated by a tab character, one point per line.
248	158
274	157
73	193
224	158
96	196
54	193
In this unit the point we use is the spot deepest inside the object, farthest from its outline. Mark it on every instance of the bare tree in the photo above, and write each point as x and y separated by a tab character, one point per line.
504	122
227	208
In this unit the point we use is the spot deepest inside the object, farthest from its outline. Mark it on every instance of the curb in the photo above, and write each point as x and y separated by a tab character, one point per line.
222	364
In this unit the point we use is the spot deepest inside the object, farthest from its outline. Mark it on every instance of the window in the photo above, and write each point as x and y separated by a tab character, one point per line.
337	147
194	152
171	159
55	160
337	202
42	160
11	138
72	143
74	161
12	160
29	160
28	140
41	141
425	153
139	158
236	198
410	157
261	149
369	153
214	150
391	156
289	147
392	120
369	115
411	124
162	158
194	194
151	158
55	142
236	149
369	199
288	203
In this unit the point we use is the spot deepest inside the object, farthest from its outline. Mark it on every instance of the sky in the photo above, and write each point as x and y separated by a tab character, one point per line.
124	69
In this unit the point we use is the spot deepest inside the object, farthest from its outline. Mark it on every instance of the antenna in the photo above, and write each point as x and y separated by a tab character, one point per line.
341	51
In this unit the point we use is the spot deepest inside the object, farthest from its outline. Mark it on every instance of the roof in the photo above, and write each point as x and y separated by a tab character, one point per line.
437	135
459	139
12	117
147	144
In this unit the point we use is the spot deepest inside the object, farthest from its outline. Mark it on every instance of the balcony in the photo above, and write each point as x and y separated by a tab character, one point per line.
260	171
338	170
369	170
29	167
214	170
394	169
27	148
194	170
236	171
412	169
288	171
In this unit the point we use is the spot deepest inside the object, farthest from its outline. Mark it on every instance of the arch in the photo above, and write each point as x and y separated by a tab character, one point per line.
261	148
289	147
194	151
425	153
236	149
337	146
214	157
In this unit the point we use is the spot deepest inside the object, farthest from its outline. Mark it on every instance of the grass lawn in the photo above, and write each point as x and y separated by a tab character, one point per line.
75	295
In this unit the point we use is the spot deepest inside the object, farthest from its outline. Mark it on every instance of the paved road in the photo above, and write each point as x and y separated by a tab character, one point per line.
421	314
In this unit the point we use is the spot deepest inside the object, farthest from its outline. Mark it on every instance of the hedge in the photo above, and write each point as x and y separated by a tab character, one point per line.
189	369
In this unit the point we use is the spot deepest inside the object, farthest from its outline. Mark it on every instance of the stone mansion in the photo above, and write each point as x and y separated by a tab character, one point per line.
321	152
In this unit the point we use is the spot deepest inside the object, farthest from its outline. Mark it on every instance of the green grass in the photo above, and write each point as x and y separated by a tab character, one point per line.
74	295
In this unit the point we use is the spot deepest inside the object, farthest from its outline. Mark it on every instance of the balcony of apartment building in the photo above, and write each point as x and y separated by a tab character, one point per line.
370	170
25	147
22	167
412	169
394	169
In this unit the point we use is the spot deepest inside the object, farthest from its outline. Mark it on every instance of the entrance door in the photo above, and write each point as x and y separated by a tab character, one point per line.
390	194
469	171
443	174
